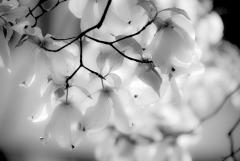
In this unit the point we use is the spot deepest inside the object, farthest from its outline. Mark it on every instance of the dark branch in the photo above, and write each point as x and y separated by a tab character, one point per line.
130	58
63	39
231	141
120	52
230	155
43	10
221	105
138	32
98	25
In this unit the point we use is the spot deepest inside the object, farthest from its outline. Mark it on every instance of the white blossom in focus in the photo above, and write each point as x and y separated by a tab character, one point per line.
60	127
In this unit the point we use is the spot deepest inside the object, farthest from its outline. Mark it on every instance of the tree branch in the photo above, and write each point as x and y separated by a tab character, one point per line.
231	141
98	25
43	10
221	105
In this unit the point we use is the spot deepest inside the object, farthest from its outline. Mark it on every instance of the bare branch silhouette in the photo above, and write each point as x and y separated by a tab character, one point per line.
44	10
230	134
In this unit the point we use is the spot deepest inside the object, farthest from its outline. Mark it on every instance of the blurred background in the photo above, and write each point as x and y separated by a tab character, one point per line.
19	137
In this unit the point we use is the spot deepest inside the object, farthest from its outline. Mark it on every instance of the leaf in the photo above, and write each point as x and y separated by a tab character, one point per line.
85	91
115	61
129	43
111	57
151	78
178	11
117	81
149	6
101	60
5	51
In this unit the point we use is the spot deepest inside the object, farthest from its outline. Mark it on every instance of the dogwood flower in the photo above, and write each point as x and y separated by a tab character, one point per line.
174	42
123	16
98	116
61	125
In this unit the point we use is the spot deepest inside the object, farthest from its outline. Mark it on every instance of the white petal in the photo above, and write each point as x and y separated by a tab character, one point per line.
97	116
62	64
19	27
185	24
129	43
89	19
112	23
176	96
59	127
152	78
122	9
120	117
5	51
163	48
40	115
27	83
77	7
142	94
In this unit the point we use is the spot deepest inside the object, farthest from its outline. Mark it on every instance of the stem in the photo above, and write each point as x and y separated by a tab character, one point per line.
98	25
43	10
120	52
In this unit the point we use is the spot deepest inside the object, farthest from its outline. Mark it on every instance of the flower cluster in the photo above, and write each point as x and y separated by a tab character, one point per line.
124	76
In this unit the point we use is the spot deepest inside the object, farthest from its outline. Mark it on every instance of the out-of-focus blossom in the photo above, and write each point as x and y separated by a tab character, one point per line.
209	29
215	79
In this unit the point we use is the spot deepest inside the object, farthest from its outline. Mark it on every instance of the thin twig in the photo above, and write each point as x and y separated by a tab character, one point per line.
230	155
120	52
138	32
231	141
63	39
98	25
43	10
218	109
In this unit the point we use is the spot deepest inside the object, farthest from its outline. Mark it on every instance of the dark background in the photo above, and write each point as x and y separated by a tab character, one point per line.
229	11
